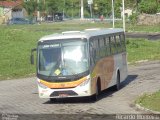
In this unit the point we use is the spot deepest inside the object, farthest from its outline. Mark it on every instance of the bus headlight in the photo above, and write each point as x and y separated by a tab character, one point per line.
85	82
42	86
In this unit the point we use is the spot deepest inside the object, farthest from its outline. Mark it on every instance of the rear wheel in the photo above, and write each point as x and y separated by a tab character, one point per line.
118	81
53	100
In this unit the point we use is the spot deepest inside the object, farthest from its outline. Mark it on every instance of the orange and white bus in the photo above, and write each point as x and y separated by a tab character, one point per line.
80	63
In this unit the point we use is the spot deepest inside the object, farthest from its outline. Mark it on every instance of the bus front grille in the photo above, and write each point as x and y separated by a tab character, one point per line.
63	93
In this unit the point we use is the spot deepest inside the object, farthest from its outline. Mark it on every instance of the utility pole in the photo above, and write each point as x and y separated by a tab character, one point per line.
64	8
90	2
72	9
113	20
124	25
82	13
91	10
38	13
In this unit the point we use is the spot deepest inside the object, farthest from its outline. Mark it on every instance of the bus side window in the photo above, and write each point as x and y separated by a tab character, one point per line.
107	46
95	49
92	53
112	45
96	43
101	47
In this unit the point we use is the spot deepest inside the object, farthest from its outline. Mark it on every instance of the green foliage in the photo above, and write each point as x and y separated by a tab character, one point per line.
53	6
133	18
72	8
158	9
117	9
148	6
102	7
30	7
40	6
130	3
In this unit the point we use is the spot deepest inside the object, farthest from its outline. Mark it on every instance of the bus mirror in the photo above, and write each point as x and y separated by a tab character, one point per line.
32	56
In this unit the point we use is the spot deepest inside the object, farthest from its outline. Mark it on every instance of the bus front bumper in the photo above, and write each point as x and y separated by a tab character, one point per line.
79	91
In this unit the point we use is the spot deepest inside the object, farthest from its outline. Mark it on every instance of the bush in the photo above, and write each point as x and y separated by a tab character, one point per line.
133	18
148	7
158	9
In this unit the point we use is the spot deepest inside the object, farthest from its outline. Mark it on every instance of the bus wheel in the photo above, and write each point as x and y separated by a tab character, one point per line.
53	100
118	81
96	95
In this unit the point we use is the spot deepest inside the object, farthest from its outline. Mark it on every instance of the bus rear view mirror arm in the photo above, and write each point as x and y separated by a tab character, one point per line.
32	56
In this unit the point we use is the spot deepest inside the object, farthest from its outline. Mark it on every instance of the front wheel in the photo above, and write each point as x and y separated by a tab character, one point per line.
96	95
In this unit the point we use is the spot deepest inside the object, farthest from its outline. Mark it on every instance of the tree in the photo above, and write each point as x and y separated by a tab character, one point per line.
72	8
148	6
102	7
158	6
118	5
41	6
53	6
30	7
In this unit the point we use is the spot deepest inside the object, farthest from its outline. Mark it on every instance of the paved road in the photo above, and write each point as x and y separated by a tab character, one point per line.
20	96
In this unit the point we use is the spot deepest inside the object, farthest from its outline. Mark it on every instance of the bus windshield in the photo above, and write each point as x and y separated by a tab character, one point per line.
63	58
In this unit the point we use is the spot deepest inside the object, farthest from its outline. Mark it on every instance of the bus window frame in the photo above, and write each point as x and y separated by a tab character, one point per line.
110	49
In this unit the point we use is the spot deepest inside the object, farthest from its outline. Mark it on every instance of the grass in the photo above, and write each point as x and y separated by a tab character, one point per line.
16	41
139	28
15	51
150	101
142	49
142	28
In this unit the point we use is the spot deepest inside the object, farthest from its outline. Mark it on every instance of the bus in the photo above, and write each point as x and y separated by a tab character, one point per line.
80	63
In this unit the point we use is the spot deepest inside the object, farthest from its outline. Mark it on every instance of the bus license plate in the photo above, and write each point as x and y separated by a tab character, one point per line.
63	95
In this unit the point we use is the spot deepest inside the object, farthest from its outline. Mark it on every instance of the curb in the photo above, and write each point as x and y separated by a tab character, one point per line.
146	109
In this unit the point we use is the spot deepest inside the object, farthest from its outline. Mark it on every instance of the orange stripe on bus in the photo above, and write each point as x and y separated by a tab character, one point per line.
63	84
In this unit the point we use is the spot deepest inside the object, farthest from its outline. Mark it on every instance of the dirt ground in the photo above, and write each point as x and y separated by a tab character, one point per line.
20	96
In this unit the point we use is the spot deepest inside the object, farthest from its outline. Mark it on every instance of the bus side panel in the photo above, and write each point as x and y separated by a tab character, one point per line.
121	65
124	73
106	69
103	70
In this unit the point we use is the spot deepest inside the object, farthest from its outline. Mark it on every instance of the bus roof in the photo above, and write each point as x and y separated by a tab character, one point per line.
81	34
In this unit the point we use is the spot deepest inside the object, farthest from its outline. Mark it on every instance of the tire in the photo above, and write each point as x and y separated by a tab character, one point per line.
52	100
95	97
118	81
